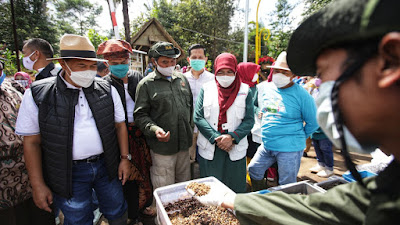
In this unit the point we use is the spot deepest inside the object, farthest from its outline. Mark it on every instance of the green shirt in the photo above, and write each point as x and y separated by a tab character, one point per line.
210	133
352	203
167	104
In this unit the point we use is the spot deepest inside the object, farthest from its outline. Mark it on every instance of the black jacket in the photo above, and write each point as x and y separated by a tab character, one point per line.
49	71
56	105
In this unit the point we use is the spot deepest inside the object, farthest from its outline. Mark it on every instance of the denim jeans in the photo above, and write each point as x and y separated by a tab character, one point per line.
79	208
323	149
288	164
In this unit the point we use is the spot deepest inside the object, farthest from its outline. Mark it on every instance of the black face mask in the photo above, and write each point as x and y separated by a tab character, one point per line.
266	71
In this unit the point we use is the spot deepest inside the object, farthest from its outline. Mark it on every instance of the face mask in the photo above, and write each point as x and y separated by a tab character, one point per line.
2	77
197	64
225	81
255	78
317	82
326	121
82	78
167	71
119	70
28	63
280	80
23	83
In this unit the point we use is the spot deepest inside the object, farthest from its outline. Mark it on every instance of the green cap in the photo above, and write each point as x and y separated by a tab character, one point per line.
164	49
341	22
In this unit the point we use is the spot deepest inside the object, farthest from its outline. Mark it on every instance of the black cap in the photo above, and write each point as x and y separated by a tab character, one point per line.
341	22
164	49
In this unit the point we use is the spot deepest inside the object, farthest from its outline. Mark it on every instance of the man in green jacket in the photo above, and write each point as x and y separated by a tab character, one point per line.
164	112
354	47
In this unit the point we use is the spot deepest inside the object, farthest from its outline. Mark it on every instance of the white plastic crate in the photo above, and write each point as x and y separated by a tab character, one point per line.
174	192
302	187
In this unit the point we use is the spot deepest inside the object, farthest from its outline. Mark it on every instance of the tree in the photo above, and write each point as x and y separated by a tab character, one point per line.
312	6
76	16
281	28
96	38
198	21
125	13
32	20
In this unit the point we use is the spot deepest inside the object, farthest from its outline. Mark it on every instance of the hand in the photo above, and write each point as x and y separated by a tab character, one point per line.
124	170
217	196
42	197
162	136
224	142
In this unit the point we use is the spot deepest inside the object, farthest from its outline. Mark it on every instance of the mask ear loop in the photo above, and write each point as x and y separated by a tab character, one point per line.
339	119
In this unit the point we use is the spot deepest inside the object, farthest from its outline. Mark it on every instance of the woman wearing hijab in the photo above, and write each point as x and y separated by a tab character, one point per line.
224	116
23	79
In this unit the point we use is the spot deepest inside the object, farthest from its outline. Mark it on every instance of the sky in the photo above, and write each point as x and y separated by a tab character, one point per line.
137	6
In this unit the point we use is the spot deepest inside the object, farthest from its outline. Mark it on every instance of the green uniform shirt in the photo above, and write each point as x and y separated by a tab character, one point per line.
352	203
166	104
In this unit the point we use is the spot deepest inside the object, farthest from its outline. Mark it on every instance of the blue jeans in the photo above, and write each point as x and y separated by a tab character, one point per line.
323	149
288	164
86	177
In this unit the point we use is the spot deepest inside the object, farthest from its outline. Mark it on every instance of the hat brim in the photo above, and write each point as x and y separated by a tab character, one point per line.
70	57
175	56
279	68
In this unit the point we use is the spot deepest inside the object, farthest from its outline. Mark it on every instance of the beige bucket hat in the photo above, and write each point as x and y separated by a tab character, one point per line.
281	62
77	47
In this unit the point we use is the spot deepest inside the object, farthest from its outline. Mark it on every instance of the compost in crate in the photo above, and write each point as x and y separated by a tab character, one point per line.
191	211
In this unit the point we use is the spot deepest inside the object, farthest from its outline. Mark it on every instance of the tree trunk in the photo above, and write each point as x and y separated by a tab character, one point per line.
126	20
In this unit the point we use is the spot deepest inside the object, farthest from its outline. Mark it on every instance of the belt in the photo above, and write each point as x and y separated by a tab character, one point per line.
91	159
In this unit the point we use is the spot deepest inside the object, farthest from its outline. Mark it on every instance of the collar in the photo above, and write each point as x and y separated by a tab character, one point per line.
46	69
70	86
191	74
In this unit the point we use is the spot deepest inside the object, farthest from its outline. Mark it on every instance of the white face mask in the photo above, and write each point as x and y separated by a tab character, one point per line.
280	80
225	81
167	71
23	83
27	61
326	121
82	78
255	78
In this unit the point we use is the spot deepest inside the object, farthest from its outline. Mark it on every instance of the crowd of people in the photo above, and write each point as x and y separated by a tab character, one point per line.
89	132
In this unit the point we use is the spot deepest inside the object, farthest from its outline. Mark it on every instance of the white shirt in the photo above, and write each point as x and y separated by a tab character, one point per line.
130	104
87	141
197	84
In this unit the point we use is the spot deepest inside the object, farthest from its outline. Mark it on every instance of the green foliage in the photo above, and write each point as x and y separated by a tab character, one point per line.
206	22
10	67
281	28
96	38
76	16
313	6
32	20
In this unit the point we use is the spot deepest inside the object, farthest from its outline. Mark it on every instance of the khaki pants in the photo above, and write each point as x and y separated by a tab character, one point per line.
192	149
169	169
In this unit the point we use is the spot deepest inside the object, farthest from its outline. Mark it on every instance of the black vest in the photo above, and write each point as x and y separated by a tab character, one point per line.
56	105
134	78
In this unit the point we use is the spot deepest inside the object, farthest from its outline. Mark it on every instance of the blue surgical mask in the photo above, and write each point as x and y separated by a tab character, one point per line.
197	64
119	70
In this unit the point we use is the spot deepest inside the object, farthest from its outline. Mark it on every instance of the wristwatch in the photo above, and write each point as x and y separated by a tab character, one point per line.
128	157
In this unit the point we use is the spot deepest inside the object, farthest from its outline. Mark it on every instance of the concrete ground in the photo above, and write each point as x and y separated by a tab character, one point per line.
304	173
